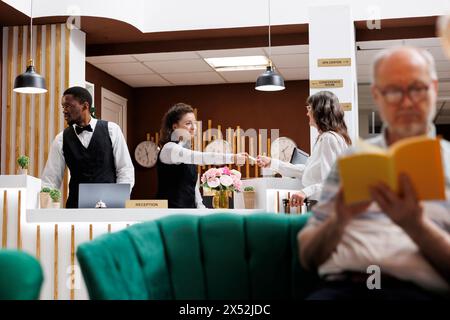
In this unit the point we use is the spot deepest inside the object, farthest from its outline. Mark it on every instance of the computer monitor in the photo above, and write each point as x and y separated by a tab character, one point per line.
299	156
114	195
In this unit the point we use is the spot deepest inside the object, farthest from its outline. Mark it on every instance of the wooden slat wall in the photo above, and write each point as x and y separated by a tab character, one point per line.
57	82
48	33
28	131
38	118
18	97
37	106
9	93
66	85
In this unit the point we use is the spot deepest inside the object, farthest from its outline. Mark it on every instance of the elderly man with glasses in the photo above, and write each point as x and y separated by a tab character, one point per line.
393	246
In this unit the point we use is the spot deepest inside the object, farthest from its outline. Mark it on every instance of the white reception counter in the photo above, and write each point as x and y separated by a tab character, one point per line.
52	235
117	215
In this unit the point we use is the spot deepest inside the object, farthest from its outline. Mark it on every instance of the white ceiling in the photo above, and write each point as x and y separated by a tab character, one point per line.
189	68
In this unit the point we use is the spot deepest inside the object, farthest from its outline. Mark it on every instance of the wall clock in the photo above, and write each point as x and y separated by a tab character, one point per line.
282	149
146	153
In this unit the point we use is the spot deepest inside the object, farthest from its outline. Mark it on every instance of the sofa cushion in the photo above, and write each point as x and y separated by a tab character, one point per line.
21	276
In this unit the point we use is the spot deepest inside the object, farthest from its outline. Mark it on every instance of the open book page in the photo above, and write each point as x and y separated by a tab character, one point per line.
359	171
420	158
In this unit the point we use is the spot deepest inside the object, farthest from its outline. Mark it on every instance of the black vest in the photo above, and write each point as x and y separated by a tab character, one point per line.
176	183
94	164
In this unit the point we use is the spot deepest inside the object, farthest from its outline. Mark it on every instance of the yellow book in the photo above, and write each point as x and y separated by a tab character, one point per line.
419	157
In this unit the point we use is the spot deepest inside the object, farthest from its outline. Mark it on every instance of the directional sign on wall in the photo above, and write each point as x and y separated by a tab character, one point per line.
338	62
326	83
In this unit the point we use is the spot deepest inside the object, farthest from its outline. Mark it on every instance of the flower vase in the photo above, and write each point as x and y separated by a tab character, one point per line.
221	199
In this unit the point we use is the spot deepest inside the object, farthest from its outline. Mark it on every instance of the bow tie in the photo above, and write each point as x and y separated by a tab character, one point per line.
79	129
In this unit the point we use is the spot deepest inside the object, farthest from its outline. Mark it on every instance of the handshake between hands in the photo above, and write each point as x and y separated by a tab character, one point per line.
240	159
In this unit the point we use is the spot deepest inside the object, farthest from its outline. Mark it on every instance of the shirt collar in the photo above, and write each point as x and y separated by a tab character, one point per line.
93	122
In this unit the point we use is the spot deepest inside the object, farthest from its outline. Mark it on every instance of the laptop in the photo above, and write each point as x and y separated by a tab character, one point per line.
114	195
299	156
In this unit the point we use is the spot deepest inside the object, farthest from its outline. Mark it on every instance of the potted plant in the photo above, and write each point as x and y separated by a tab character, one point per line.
23	162
55	194
222	181
44	198
249	197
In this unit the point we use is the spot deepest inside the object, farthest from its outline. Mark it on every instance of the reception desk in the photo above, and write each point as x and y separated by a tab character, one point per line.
58	232
52	235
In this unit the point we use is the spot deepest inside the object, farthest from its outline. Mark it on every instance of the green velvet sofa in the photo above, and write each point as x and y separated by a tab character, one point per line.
21	276
190	257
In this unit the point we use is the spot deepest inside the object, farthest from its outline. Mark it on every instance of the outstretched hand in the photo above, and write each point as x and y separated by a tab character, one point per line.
263	161
240	158
297	199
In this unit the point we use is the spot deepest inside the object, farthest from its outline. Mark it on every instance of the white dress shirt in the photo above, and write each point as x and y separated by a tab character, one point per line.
173	153
325	152
54	168
372	238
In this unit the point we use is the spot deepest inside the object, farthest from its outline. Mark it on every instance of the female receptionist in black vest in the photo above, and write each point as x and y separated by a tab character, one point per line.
177	163
94	150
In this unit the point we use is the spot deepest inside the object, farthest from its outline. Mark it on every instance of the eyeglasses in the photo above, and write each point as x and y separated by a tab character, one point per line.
395	95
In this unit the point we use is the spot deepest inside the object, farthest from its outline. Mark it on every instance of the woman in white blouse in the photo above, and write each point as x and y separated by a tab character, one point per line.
326	115
177	163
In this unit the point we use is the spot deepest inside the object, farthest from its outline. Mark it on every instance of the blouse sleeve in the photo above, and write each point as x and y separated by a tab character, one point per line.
287	169
173	153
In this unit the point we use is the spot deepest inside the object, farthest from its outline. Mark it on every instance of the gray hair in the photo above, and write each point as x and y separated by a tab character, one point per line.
425	54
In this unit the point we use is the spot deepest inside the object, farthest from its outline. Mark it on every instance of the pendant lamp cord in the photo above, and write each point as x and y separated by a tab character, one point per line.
270	44
31	32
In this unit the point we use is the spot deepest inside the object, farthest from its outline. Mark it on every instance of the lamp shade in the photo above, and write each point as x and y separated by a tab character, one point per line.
30	82
269	81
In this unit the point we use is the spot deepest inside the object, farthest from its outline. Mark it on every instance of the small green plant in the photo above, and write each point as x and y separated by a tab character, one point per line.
55	194
248	189
46	190
23	162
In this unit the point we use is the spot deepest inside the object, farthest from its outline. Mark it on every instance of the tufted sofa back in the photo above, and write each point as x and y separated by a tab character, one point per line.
217	256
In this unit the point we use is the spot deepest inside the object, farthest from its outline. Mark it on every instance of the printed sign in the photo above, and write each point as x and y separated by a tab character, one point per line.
147	204
338	62
327	83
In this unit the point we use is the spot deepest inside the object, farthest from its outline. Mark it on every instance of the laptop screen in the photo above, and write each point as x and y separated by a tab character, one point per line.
113	195
299	156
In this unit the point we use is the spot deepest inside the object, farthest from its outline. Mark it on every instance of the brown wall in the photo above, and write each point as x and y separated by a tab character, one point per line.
1	88
101	79
227	105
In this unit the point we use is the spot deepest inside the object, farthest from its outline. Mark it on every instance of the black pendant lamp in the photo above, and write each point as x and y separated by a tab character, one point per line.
30	82
270	80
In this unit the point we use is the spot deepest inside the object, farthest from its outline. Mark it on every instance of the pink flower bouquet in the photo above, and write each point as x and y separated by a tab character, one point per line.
222	179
